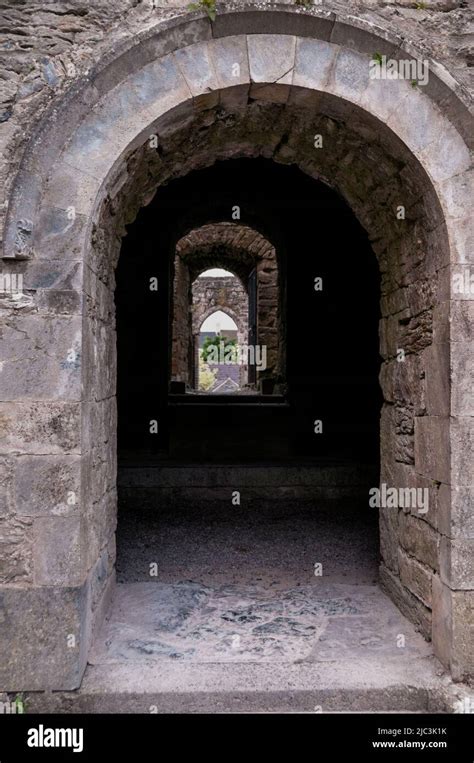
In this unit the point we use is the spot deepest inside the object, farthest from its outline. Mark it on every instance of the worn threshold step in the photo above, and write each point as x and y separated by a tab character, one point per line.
331	687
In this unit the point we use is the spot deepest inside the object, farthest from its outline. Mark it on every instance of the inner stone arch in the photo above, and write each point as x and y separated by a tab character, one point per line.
256	300
373	181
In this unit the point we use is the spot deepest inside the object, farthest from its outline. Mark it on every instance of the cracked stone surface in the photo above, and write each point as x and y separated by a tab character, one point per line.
188	621
236	585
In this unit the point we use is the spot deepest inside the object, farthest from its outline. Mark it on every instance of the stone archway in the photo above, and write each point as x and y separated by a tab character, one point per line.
240	249
269	83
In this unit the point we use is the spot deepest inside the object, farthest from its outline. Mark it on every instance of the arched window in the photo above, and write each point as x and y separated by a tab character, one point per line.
217	322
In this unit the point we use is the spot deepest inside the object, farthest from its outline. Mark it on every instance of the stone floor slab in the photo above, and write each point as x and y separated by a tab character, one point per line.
191	622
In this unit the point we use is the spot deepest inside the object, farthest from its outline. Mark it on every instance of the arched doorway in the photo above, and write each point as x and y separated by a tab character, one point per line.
253	261
366	136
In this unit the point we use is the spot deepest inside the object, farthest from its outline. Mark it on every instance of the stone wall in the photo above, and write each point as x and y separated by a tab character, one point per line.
224	293
88	166
182	346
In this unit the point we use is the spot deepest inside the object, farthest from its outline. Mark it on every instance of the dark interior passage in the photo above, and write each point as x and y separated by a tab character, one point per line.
330	332
247	498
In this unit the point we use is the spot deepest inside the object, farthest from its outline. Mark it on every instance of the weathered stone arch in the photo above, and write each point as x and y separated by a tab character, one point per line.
239	245
117	106
209	295
241	248
85	168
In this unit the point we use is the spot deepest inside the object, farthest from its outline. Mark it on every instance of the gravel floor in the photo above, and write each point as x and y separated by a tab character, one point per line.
272	546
